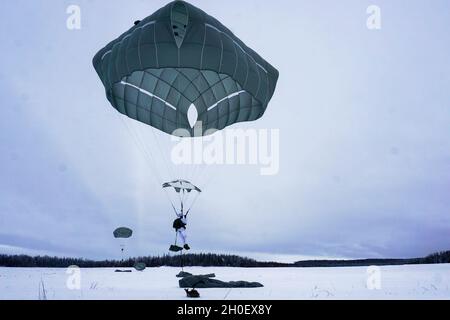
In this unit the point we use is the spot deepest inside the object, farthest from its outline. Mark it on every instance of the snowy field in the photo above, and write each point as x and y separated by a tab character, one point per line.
393	282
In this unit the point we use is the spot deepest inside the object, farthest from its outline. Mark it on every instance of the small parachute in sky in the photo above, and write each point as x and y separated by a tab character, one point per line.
180	68
122	233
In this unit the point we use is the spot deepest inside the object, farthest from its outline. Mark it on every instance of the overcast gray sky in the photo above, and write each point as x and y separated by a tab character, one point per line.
364	120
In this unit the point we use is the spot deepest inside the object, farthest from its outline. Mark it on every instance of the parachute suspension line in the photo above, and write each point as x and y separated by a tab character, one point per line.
184	171
207	182
193	203
196	175
169	171
183	195
204	186
146	154
142	139
146	150
140	147
200	172
205	174
192	173
197	169
189	204
181	199
171	203
193	166
184	198
181	203
166	158
175	174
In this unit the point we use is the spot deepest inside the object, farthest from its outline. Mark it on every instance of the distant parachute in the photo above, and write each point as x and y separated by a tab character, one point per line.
140	266
123	233
182	69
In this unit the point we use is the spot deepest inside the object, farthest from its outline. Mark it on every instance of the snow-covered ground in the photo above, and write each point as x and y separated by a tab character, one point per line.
393	282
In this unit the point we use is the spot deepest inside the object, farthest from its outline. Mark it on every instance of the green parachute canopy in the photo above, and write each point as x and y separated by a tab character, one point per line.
123	233
182	69
140	266
181	186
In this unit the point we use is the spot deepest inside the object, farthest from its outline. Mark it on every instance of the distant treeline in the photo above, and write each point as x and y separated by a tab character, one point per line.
205	260
200	260
438	257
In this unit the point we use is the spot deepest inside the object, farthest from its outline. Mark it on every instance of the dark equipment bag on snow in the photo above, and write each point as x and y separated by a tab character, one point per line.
192	293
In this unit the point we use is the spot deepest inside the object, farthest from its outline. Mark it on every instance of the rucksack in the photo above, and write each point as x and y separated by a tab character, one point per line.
192	293
178	224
